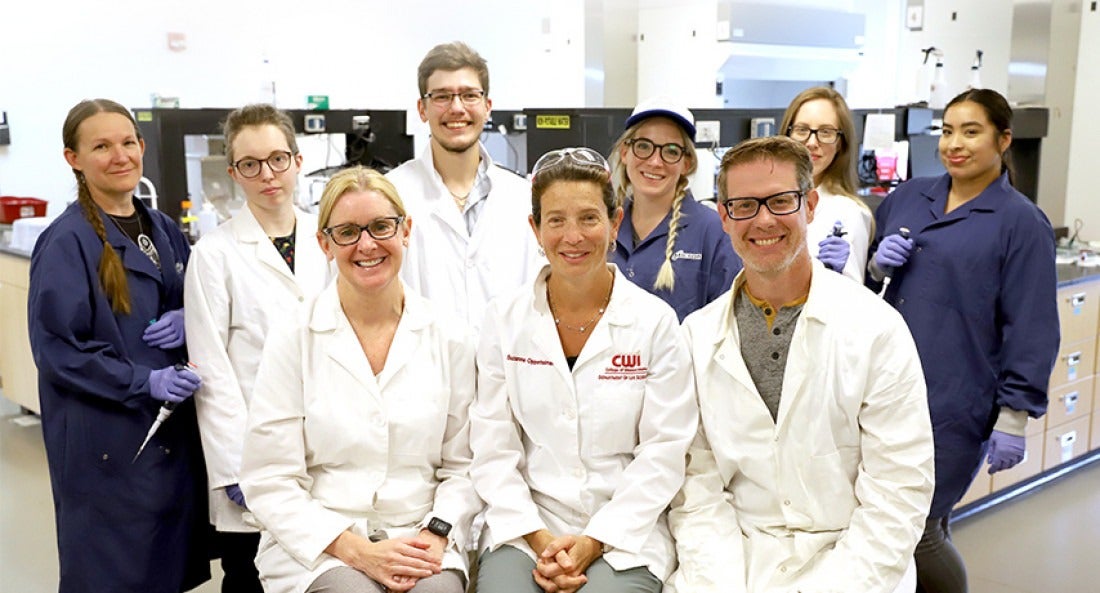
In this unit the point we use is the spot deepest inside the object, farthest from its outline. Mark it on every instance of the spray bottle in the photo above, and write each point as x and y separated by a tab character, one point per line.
938	91
924	77
975	72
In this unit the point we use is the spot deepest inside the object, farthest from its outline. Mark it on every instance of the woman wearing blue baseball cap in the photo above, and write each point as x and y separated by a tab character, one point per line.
668	243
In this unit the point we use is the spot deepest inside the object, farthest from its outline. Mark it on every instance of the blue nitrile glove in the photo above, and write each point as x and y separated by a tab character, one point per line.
833	252
173	385
1005	451
166	332
233	491
893	252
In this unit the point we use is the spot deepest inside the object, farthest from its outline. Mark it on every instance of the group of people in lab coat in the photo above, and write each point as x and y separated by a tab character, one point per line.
449	357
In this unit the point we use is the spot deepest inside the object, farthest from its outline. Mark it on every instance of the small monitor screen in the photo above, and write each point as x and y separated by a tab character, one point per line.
924	157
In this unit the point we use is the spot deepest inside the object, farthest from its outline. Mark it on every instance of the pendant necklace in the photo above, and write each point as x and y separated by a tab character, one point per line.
587	325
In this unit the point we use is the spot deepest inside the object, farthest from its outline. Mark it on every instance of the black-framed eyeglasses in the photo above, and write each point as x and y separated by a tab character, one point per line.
278	162
644	148
379	229
583	156
824	135
445	98
784	202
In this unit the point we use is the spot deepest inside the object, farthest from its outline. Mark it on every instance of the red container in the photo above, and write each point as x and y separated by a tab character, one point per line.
12	208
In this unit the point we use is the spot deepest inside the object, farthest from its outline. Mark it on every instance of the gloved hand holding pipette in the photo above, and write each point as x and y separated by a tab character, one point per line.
173	384
167	332
893	252
833	251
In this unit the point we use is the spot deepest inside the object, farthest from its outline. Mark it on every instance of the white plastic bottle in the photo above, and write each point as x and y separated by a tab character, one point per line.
924	77
267	81
976	72
937	98
208	218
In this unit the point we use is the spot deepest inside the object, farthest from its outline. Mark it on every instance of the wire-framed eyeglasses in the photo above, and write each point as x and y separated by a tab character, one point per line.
824	135
445	98
379	229
644	148
583	156
278	162
784	202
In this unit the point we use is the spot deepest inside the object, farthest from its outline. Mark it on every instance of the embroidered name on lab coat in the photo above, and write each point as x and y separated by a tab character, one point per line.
625	367
681	254
533	361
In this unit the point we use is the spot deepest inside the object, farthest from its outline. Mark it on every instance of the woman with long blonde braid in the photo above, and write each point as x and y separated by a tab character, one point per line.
106	329
668	244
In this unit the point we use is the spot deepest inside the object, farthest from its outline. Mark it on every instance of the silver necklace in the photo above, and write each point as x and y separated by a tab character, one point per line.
587	325
144	242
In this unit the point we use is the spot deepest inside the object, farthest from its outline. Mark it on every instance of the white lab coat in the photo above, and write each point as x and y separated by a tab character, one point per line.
448	265
330	446
236	288
857	222
832	496
599	450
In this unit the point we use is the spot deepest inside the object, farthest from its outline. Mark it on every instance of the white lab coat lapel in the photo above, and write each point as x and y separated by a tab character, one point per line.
800	361
618	313
249	232
342	345
443	209
727	340
406	341
544	338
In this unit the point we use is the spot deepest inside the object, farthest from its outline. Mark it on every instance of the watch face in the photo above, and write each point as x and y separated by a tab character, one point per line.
439	527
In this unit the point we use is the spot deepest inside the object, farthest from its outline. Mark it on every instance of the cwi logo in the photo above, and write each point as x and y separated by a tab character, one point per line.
626	361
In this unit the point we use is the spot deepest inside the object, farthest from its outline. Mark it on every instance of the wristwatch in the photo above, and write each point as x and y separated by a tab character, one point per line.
439	527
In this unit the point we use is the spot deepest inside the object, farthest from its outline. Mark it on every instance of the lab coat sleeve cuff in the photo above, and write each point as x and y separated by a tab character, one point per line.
876	273
1013	422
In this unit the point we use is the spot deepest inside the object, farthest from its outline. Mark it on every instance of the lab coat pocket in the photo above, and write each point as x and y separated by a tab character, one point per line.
829	488
615	411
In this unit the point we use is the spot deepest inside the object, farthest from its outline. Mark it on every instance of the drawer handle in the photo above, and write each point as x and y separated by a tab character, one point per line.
1077	300
1067	439
1073	359
1070	401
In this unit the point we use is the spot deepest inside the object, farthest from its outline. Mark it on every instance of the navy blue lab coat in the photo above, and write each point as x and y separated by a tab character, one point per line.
979	296
121	527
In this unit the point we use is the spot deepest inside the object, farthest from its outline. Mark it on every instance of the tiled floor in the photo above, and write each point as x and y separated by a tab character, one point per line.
1045	542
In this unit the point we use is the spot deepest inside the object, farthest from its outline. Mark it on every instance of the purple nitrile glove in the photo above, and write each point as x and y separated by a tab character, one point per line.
833	251
173	385
1005	451
166	332
893	251
233	491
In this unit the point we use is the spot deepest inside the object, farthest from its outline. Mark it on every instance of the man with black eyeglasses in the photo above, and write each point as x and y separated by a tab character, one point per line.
812	470
471	241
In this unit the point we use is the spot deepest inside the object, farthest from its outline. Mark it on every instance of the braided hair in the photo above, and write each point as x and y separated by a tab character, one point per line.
112	275
666	278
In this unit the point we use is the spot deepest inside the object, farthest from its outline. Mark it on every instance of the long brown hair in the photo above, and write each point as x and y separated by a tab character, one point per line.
112	275
840	176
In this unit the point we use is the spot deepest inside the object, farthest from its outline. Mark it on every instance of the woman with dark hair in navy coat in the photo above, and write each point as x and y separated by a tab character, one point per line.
106	327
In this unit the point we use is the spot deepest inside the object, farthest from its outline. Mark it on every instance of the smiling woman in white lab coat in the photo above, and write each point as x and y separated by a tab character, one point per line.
585	408
244	277
357	453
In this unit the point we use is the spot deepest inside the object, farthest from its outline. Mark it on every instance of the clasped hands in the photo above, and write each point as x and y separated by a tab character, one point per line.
563	560
396	564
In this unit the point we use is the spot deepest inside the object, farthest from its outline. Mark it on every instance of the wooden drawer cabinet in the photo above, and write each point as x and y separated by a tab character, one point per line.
1079	311
1065	442
1070	402
1075	362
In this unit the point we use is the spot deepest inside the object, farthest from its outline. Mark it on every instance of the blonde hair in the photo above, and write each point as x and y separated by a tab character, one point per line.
112	275
357	178
666	278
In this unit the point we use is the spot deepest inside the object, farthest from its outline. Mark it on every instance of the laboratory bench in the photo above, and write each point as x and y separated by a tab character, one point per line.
1066	438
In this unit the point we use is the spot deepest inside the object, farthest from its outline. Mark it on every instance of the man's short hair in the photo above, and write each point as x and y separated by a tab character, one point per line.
450	57
779	149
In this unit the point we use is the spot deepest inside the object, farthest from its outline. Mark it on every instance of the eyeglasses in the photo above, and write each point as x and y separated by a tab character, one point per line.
784	202
445	98
585	157
824	135
379	229
278	162
644	148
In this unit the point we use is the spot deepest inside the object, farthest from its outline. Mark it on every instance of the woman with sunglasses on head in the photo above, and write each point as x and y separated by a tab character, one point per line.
668	244
976	283
107	335
357	452
244	277
585	406
842	226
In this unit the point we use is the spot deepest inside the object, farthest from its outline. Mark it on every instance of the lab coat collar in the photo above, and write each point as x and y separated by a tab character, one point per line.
328	314
247	230
618	309
626	230
991	198
443	207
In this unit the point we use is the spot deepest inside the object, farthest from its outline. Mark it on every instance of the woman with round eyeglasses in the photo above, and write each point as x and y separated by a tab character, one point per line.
842	226
585	406
245	277
669	244
356	459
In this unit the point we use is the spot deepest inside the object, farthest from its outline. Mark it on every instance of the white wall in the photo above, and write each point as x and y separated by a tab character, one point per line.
1081	186
363	54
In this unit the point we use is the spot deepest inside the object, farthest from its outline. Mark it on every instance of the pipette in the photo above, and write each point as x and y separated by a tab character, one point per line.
838	229
904	232
162	415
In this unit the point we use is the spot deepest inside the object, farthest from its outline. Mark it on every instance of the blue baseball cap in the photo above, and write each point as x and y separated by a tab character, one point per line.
664	107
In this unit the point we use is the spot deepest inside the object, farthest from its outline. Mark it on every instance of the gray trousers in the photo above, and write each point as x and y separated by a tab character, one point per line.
346	579
508	570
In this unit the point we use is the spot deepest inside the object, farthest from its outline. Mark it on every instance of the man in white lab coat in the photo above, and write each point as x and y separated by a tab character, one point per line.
471	240
813	467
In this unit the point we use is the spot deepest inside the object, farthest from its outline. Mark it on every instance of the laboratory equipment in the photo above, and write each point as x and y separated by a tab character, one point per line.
975	72
162	415
937	97
904	232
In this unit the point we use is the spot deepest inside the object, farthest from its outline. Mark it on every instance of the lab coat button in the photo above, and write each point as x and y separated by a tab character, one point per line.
570	413
630	273
787	503
167	451
301	298
901	301
470	263
105	457
579	472
782	569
